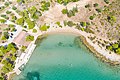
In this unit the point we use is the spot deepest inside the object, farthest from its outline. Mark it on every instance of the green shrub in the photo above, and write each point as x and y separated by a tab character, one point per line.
8	12
70	23
91	17
44	27
118	50
29	38
2	21
7	3
31	24
98	10
64	11
20	21
34	31
70	13
14	8
115	46
87	6
23	48
106	1
95	5
83	24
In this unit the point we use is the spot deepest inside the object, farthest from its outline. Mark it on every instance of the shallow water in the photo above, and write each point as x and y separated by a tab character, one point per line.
58	58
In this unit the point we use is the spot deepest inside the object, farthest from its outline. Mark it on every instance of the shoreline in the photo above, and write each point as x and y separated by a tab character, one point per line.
82	35
84	39
102	54
97	54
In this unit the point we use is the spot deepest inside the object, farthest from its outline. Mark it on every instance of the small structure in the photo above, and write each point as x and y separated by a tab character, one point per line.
20	40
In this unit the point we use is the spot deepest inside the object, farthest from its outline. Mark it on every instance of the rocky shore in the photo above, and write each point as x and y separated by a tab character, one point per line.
97	54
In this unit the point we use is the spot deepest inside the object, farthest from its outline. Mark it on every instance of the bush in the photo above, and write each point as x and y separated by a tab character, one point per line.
118	50
65	2
31	24
20	21
14	8
106	1
87	6
29	38
23	48
111	18
64	11
2	21
7	4
45	6
83	24
65	23
34	30
91	17
70	23
115	46
98	10
20	1
58	23
8	12
95	5
70	13
44	27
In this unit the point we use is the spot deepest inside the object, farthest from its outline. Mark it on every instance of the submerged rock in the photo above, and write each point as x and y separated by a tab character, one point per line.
33	76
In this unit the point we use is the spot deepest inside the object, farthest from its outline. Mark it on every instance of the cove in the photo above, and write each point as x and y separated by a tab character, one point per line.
59	57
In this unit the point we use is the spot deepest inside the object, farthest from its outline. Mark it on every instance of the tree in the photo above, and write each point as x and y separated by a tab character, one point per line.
111	18
83	24
70	23
2	20
118	50
23	48
64	11
98	10
95	5
29	38
19	1
65	23
34	30
70	13
45	6
4	69
106	1
5	36
14	8
20	21
91	17
87	6
31	24
1	78
8	12
115	46
7	3
109	48
44	27
10	46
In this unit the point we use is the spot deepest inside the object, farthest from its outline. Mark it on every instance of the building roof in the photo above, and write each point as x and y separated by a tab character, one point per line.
21	39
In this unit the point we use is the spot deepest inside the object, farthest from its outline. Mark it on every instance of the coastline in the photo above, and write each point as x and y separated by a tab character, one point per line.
82	35
97	54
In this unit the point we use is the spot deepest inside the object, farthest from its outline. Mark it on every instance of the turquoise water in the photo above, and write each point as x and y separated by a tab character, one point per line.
58	57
